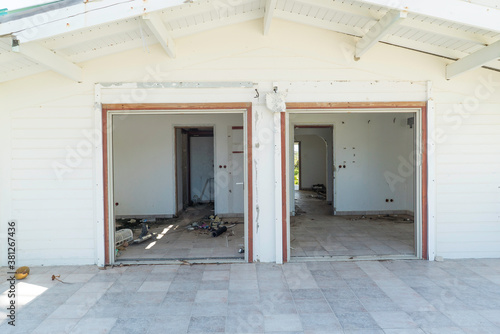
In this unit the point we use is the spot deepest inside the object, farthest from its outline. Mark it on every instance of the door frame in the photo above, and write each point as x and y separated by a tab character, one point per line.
107	110
421	207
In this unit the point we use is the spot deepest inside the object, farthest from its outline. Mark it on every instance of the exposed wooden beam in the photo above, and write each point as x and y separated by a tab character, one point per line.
456	11
268	14
377	32
155	24
474	60
51	60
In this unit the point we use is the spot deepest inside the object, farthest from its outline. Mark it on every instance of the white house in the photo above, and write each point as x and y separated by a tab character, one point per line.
165	110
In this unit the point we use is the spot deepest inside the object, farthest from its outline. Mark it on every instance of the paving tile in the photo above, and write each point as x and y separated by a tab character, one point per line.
309	294
209	309
211	296
207	324
247	323
282	323
56	326
131	326
100	325
467	318
243	284
215	275
155	286
311	306
393	320
346	306
444	330
320	322
357	320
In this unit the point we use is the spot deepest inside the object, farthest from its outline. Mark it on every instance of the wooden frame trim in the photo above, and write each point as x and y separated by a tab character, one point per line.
284	183
314	106
177	106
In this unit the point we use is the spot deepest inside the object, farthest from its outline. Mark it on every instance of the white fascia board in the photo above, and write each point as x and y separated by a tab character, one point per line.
268	15
377	32
84	15
155	24
474	60
457	11
51	60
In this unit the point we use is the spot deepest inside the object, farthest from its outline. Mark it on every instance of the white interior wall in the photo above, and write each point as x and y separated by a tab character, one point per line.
202	169
144	168
370	146
313	161
327	135
57	120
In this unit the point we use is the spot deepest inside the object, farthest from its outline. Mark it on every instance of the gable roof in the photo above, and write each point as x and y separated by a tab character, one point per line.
60	35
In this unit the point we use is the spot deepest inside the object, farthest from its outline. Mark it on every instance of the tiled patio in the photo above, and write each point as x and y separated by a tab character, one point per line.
412	296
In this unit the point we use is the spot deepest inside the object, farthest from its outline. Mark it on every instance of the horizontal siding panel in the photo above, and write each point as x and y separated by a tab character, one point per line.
450	176
52	153
465	207
468	118
52	184
54	112
42	256
43	123
476	188
478	139
83	144
468	237
467	129
482	227
469	149
468	159
52	194
468	217
450	109
52	174
46	204
470	168
464	196
56	240
49	134
61	213
49	163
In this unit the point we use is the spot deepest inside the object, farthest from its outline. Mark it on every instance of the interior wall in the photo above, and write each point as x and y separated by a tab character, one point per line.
143	168
327	135
371	147
202	168
313	154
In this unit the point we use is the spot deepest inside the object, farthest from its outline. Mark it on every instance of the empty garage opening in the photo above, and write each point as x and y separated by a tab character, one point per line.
176	185
358	195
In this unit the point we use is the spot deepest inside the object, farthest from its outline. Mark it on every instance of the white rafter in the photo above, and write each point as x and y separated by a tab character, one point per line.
474	60
377	32
456	11
81	16
155	24
268	15
51	60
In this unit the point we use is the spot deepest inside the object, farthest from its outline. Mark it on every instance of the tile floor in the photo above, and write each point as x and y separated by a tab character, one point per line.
177	242
315	232
364	297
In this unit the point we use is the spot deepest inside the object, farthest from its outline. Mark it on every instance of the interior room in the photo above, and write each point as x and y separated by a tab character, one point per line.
352	184
178	186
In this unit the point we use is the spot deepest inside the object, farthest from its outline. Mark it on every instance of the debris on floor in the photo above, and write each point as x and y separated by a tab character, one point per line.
22	272
123	236
394	218
145	234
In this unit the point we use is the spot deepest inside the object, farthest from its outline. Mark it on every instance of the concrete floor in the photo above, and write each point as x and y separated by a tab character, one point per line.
177	242
406	296
315	232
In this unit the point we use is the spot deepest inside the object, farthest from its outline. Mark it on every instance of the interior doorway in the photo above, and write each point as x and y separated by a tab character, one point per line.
368	206
169	184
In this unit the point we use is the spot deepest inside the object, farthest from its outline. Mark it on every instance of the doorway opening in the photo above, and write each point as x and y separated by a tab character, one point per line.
172	179
296	165
360	191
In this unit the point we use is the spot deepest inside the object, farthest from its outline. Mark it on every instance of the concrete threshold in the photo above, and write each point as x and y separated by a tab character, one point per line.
352	258
179	261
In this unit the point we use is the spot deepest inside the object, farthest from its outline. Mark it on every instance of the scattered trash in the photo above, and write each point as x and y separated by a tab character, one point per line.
219	231
241	250
56	278
22	272
145	234
123	236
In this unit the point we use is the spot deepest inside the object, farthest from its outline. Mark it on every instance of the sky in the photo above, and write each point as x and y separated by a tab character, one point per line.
16	4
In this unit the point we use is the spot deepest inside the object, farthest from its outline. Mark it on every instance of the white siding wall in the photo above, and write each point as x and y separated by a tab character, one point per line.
43	119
